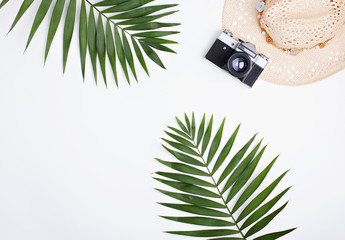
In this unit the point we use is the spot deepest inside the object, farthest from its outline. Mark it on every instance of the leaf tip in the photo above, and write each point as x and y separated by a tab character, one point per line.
223	122
157	179
45	60
27	44
8	32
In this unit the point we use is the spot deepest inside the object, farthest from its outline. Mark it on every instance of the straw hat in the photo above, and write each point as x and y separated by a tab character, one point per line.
304	39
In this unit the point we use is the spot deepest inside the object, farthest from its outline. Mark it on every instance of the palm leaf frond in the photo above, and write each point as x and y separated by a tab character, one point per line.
217	193
3	2
110	30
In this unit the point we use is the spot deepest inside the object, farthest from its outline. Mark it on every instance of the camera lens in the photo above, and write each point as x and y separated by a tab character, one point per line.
238	64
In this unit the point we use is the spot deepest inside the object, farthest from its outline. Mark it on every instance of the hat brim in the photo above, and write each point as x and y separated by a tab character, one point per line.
310	65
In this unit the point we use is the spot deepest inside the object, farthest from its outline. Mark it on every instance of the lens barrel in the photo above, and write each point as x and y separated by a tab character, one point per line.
239	64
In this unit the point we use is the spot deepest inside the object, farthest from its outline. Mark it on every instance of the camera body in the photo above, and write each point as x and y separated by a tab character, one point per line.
239	58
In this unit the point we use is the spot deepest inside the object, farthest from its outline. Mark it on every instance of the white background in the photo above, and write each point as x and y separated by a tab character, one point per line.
76	159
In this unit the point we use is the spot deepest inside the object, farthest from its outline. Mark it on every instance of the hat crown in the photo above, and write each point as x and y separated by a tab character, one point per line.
296	24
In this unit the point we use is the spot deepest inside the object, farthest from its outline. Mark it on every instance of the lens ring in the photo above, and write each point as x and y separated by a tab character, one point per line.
239	64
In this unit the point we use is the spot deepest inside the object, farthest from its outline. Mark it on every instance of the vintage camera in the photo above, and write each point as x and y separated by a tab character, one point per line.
239	58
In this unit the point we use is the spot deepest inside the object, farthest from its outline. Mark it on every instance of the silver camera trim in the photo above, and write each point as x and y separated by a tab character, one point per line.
259	59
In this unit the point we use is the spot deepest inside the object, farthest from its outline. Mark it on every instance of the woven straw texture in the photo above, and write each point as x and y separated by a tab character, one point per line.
292	24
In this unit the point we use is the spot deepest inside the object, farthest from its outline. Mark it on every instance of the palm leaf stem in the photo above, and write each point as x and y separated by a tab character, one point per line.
218	190
110	20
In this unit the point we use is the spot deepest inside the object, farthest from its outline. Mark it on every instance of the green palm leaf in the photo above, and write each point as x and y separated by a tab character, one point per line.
206	233
212	188
83	36
201	221
91	40
3	2
25	6
68	30
127	31
54	24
